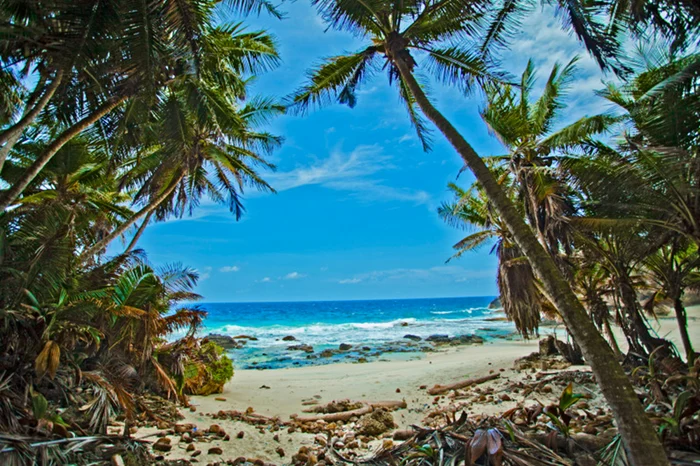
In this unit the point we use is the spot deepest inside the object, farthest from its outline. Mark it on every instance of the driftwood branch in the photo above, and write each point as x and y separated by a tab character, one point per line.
390	404
439	389
341	406
334	417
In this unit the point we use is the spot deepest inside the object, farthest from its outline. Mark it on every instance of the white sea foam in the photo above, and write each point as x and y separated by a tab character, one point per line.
358	332
460	311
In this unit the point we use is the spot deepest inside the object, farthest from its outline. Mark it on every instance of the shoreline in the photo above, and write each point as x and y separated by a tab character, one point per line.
284	393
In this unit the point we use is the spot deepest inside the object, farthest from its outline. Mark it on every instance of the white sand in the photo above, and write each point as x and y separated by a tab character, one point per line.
374	381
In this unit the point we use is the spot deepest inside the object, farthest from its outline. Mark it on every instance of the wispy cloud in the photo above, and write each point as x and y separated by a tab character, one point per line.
204	274
266	280
546	42
348	281
354	172
442	273
229	268
294	276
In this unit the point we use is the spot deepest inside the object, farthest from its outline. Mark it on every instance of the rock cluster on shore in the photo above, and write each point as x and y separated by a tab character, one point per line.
344	351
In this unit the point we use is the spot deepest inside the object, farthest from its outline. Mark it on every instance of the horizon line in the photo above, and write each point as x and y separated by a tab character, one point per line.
340	300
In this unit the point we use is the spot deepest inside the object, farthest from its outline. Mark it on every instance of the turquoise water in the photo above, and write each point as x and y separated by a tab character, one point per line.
375	324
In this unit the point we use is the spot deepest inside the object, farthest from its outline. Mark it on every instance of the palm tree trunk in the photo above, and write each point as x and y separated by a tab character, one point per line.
138	234
612	341
10	136
641	442
638	326
682	319
121	229
35	168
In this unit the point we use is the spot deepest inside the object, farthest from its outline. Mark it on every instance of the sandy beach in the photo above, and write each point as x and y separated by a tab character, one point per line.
281	392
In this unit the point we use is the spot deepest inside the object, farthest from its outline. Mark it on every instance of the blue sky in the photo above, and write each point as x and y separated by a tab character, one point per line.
355	213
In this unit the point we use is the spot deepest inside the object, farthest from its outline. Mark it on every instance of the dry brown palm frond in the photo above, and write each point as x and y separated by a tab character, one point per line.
164	380
104	403
463	441
9	402
520	297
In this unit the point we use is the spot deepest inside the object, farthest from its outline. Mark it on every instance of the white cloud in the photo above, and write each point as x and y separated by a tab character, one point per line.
350	281
229	268
546	42
266	280
294	276
353	172
204	274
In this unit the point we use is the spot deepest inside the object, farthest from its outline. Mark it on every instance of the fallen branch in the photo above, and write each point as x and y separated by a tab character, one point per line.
439	389
347	405
334	417
335	407
390	405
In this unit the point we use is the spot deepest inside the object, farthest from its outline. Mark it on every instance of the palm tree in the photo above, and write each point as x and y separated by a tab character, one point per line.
593	283
396	28
527	129
99	57
203	140
673	269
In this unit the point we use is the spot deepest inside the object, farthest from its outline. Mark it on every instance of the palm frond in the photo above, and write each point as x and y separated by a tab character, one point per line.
339	76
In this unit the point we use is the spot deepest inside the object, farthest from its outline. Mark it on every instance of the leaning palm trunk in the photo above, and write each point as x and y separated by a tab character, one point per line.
601	317
138	234
35	168
641	442
121	229
637	329
34	107
682	320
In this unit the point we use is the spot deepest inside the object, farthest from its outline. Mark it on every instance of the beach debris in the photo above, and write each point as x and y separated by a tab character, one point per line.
403	434
264	387
335	416
162	445
220	398
375	423
439	389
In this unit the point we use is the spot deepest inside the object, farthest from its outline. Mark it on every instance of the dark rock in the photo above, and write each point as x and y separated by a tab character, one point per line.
412	337
289	338
438	338
547	346
345	347
328	353
225	341
495	304
245	337
215	451
404	324
302	347
467	340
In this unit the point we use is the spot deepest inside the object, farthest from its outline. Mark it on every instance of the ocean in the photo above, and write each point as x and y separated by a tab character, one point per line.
375	328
